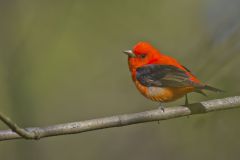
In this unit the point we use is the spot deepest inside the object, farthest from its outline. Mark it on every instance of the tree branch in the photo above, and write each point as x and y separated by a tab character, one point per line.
116	121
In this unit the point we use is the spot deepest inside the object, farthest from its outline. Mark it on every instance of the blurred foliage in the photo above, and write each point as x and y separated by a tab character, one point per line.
61	61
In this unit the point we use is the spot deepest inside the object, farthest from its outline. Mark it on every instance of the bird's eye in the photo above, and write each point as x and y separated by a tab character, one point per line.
142	55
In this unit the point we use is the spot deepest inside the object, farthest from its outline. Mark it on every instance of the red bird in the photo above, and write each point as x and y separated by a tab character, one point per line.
161	78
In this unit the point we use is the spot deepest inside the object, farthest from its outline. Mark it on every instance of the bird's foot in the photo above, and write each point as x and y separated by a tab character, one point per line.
161	107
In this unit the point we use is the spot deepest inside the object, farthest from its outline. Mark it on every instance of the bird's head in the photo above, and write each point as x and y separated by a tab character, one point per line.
142	53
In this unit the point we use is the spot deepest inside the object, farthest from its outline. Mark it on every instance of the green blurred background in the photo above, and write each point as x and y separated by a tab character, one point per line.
62	61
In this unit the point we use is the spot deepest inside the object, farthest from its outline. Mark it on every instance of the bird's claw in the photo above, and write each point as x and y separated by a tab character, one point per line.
162	108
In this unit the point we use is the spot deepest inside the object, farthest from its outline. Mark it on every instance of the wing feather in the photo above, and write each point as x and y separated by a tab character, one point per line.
163	76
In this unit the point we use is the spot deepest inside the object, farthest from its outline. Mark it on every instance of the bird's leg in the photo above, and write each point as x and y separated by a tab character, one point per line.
186	100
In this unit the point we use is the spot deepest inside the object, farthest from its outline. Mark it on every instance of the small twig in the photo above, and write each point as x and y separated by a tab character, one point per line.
116	121
14	127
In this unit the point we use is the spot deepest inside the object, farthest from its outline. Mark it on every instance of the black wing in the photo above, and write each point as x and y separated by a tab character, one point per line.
163	76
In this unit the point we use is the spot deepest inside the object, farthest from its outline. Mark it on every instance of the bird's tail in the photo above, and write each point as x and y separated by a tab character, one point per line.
210	88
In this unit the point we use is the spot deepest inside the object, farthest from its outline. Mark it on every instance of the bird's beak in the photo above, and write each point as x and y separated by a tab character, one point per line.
129	53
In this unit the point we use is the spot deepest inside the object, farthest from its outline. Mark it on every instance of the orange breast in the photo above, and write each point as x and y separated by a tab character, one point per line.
163	94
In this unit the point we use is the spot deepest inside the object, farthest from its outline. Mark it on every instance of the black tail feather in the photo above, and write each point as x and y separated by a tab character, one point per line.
210	88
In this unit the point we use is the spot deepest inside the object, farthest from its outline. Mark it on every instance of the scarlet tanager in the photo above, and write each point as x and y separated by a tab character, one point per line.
160	77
